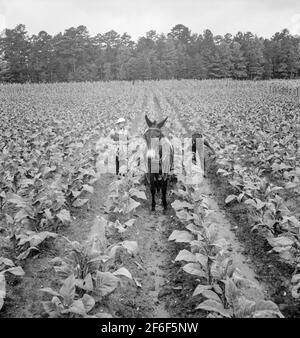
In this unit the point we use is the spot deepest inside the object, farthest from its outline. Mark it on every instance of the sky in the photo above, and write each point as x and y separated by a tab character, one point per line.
136	17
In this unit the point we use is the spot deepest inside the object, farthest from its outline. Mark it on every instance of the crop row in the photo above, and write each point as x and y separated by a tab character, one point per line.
48	159
255	133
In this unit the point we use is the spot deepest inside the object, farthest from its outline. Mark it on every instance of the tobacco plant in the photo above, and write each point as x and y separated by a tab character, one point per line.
7	266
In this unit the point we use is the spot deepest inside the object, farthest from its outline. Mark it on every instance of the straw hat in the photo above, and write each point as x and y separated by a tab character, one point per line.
121	120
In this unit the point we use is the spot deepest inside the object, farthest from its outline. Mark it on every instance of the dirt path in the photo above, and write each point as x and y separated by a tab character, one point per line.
153	257
149	268
227	231
153	243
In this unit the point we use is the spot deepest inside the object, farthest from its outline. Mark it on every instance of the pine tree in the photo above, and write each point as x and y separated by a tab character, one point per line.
142	67
4	71
169	59
15	47
255	59
225	57
215	66
238	70
199	70
40	57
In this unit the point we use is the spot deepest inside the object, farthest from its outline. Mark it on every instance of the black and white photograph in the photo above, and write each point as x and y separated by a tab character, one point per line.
149	162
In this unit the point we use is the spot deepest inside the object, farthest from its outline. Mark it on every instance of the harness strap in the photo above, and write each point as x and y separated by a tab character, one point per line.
152	129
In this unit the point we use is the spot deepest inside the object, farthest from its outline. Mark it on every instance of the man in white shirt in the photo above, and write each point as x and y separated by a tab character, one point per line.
120	136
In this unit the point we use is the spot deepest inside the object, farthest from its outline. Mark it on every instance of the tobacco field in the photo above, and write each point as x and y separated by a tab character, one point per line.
75	242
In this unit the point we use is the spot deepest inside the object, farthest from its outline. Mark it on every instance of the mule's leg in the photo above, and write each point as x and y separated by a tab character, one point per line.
153	190
164	194
158	185
117	165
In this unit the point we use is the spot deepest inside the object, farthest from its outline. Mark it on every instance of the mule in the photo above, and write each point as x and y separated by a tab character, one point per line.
159	160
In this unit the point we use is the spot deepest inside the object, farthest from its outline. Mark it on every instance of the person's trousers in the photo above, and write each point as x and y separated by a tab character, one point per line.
117	165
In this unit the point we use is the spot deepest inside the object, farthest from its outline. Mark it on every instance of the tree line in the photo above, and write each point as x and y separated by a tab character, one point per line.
76	56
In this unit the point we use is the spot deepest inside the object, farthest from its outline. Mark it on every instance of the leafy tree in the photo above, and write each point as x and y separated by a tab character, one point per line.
40	57
76	56
180	34
15	47
215	66
125	40
142	67
225	59
107	71
169	59
238	70
4	70
123	63
199	70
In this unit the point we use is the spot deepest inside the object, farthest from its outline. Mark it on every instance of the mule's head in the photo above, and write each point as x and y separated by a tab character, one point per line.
153	132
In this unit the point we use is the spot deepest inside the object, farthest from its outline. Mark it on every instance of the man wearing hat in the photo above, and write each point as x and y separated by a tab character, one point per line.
120	136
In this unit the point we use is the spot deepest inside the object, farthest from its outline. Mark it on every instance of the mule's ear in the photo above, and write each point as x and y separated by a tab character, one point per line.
149	123
160	124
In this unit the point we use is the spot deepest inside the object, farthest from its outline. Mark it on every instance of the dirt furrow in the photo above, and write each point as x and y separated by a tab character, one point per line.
227	231
149	268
